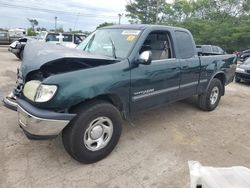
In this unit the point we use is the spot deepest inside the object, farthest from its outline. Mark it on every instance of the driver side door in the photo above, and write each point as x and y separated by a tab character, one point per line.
159	82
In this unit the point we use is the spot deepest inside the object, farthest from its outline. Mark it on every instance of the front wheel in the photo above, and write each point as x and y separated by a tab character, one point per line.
211	98
94	133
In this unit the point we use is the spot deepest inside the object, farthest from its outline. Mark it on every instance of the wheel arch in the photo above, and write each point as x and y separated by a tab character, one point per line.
222	77
111	98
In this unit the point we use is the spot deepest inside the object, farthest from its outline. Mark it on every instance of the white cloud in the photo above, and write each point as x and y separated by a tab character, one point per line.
92	13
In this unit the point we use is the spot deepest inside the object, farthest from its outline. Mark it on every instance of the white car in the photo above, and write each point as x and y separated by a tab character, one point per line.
64	39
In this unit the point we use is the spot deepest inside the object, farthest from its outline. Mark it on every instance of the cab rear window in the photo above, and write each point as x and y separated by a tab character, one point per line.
185	44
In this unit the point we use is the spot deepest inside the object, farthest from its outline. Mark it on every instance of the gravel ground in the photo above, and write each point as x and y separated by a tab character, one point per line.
152	152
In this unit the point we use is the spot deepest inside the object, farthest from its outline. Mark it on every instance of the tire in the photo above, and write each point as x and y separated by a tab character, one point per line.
208	103
84	129
21	54
237	79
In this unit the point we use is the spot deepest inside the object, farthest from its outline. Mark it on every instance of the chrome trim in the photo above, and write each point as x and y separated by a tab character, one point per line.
155	93
10	101
39	126
7	101
203	81
189	84
160	60
167	90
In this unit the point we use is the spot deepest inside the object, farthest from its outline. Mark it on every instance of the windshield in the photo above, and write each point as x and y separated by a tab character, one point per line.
41	36
67	38
115	43
247	61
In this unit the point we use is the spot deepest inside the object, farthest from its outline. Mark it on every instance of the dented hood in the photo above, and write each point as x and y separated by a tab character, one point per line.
38	53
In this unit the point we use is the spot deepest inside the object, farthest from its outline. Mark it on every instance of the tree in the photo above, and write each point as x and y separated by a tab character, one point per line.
30	32
145	11
104	25
33	23
225	23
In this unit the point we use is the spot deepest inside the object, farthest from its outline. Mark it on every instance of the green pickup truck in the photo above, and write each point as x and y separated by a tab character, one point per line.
114	73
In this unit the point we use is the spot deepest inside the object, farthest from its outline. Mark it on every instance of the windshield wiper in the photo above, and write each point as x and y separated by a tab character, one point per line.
113	47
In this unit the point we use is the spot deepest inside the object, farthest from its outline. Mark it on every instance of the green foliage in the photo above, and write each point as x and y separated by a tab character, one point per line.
219	22
60	29
30	32
33	23
145	11
104	25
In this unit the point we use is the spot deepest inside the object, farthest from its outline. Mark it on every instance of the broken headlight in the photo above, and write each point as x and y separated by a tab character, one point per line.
38	92
30	89
45	92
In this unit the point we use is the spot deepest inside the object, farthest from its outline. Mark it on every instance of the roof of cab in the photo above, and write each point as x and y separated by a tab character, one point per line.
142	27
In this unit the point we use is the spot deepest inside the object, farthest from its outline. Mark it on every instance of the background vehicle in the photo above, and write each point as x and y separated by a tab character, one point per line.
64	39
244	55
204	50
115	72
4	37
243	71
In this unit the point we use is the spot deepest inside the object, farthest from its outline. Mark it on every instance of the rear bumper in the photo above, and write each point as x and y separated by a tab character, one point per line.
41	124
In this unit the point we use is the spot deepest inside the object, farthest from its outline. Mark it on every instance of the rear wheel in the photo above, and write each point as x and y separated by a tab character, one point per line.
210	100
94	133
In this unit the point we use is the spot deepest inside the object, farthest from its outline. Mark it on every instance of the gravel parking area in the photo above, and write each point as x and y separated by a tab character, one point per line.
153	150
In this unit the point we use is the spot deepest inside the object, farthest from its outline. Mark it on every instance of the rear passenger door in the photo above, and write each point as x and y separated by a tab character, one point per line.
190	64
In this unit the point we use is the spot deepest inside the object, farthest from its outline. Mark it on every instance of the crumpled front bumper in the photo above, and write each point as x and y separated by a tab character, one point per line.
39	123
10	101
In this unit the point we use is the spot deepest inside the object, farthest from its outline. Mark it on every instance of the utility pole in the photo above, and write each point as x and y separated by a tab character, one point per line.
55	22
120	16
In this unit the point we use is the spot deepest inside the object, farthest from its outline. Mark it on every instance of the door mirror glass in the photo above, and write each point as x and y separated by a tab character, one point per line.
145	58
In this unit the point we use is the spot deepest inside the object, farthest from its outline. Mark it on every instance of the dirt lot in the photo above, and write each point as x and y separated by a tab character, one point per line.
151	153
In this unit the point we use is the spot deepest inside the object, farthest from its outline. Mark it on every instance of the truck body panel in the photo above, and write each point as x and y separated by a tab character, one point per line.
82	76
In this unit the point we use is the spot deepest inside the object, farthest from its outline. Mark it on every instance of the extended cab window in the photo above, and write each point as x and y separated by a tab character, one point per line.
159	44
184	44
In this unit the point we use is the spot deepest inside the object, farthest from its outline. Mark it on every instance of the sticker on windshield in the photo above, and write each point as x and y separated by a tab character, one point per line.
131	32
130	38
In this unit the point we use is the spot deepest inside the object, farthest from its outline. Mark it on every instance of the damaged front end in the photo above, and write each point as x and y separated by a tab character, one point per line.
44	60
10	100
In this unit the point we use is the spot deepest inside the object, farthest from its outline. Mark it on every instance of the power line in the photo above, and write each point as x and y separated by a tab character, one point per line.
53	11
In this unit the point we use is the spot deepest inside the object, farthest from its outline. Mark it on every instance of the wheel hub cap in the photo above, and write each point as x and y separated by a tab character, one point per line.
214	95
98	133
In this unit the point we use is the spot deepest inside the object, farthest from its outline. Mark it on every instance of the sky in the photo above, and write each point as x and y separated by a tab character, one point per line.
82	15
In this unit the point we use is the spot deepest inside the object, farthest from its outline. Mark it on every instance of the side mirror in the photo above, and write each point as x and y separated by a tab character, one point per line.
47	39
145	58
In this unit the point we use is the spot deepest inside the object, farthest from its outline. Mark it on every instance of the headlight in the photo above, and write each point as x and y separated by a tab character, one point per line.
240	69
45	93
30	89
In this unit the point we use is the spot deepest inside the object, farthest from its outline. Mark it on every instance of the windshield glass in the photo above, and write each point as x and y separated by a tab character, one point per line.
115	43
41	36
247	61
52	37
67	38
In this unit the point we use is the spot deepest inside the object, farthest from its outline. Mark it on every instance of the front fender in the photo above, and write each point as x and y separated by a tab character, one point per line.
77	86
